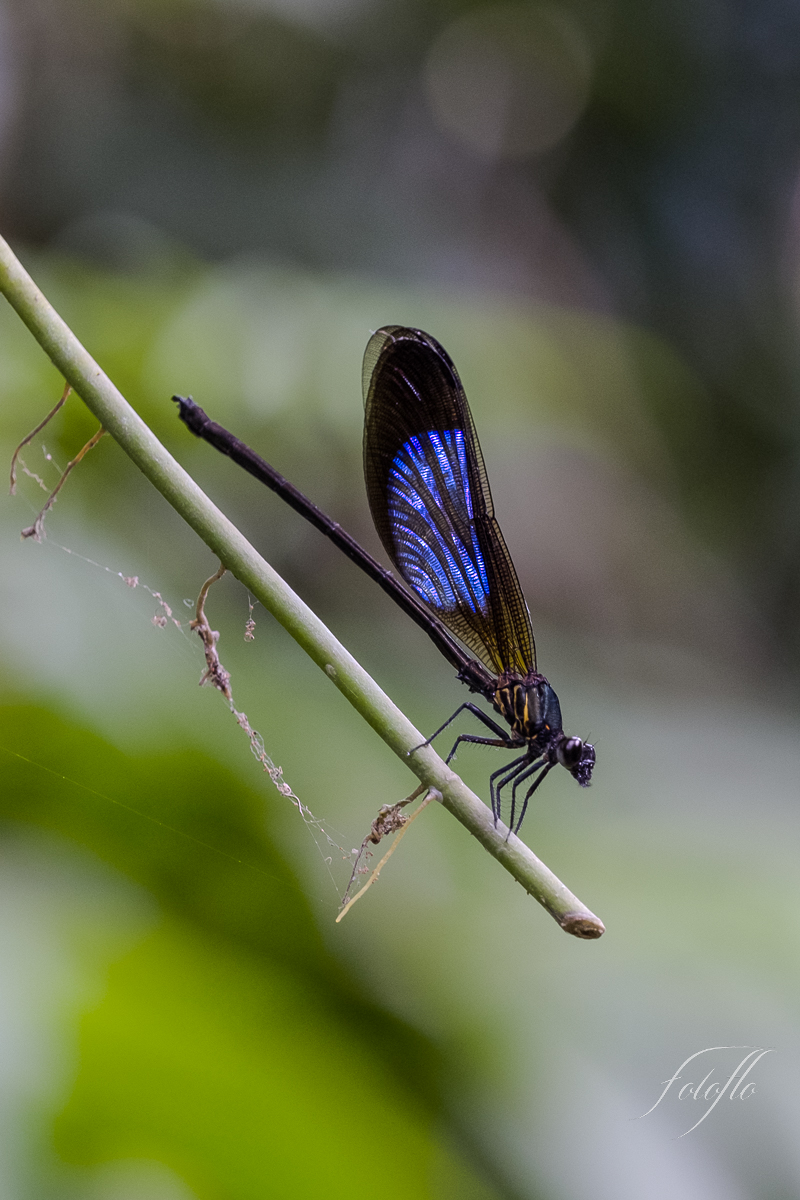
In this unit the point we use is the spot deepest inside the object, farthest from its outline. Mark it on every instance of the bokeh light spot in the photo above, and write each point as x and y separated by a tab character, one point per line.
510	81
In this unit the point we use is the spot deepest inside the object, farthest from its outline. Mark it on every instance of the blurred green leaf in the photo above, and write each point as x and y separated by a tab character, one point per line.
229	1045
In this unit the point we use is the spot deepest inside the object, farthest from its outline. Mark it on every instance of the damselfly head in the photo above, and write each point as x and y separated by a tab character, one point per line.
578	757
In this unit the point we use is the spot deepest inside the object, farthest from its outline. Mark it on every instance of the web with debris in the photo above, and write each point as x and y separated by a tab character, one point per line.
390	819
327	840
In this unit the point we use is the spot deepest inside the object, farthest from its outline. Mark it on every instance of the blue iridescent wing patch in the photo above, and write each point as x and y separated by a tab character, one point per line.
433	531
431	502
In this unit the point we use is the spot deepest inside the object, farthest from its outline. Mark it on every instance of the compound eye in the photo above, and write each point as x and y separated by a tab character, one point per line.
571	752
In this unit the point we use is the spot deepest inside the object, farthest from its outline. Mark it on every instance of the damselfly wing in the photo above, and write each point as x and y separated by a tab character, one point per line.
430	498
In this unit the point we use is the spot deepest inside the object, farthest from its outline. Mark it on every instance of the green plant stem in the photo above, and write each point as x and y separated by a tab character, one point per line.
235	552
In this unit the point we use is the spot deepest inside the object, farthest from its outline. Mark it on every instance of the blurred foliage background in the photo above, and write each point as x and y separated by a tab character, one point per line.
594	206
